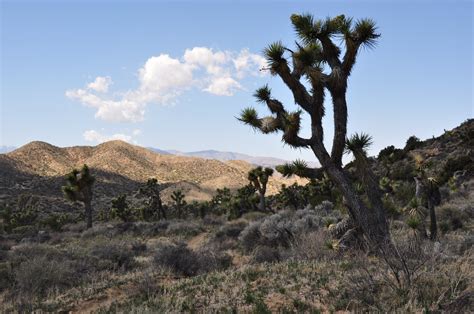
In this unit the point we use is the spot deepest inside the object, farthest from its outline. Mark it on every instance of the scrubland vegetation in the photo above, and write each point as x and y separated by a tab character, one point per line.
391	233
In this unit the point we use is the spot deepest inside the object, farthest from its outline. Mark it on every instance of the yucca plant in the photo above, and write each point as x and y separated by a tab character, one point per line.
312	68
258	178
79	189
154	206
179	202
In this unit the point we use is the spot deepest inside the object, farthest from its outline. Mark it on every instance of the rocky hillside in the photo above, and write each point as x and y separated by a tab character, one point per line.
38	168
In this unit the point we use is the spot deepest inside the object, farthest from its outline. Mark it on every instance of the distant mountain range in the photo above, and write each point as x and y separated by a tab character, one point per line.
227	156
209	154
38	169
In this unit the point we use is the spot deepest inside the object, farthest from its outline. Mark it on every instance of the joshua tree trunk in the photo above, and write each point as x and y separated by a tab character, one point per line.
340	128
433	224
88	209
372	222
261	203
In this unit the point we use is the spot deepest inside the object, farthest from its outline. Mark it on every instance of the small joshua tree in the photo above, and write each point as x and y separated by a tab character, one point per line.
179	202
258	177
79	189
154	206
427	194
316	62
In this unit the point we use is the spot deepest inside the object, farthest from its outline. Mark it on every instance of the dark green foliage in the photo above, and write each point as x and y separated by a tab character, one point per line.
244	200
291	196
258	178
154	208
412	143
263	94
222	200
179	202
120	209
402	170
56	221
391	154
453	164
78	188
13	220
358	143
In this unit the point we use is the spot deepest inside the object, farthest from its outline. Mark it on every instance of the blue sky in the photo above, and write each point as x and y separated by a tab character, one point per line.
154	89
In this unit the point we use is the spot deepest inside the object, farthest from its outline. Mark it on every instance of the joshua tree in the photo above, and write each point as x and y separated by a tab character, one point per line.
121	209
179	202
154	205
315	52
427	193
79	189
258	177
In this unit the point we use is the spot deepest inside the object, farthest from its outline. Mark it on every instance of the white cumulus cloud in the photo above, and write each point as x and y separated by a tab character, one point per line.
163	78
97	137
223	86
101	84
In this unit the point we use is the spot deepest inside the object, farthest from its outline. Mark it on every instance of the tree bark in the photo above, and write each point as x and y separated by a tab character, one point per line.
433	223
261	203
373	224
88	209
340	128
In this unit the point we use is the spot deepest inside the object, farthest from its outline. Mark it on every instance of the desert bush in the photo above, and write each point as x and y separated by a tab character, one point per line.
15	219
113	255
453	164
6	276
391	154
402	170
265	254
183	228
182	261
253	216
412	143
121	209
231	230
95	231
36	277
311	246
451	218
56	221
279	230
404	191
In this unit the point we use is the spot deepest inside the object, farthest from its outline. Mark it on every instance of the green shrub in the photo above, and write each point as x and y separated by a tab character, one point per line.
121	209
453	164
56	221
412	143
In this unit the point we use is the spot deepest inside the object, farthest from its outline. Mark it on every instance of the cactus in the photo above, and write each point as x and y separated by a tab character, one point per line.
78	188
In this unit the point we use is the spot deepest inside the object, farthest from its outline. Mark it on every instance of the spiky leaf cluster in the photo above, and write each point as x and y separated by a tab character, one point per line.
79	185
259	176
358	143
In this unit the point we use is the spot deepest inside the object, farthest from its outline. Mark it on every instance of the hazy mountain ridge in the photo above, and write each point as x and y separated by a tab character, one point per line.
116	163
225	156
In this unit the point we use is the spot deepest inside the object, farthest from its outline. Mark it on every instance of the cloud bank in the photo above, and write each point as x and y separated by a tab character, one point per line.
163	78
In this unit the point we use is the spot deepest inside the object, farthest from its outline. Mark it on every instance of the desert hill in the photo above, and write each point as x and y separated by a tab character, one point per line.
39	168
